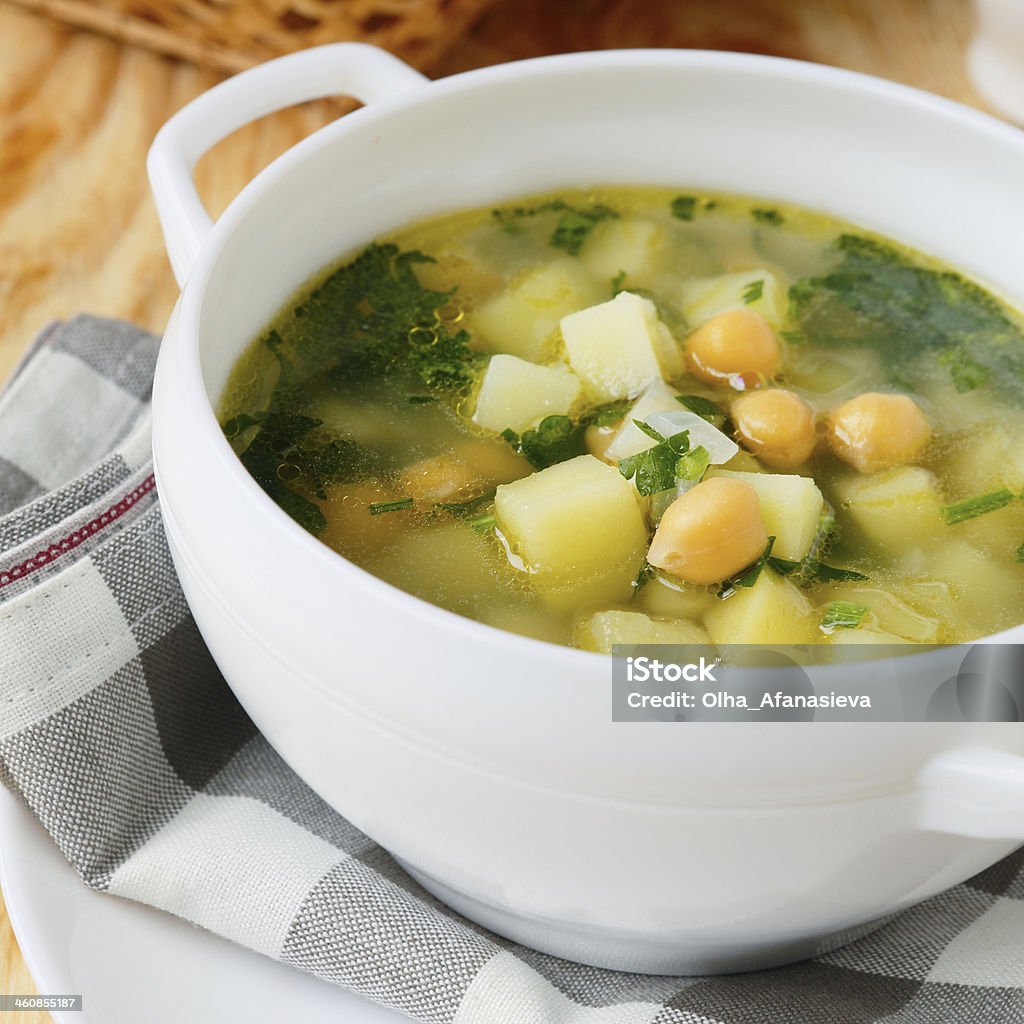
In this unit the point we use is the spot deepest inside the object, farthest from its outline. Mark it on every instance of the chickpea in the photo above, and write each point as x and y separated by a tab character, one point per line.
597	439
711	532
439	478
875	431
350	528
735	349
776	425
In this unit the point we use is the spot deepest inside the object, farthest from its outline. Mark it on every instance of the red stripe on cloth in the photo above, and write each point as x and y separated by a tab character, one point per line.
67	544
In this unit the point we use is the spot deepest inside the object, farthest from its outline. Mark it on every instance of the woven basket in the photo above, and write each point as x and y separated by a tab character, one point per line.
230	35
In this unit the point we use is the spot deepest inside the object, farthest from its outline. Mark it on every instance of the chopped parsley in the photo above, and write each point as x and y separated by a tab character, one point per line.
483	524
971	508
606	415
379	508
753	291
683	207
810	570
877	298
693	464
767	215
654	469
572	228
554	439
462	509
843	615
746	577
421	399
704	407
294	460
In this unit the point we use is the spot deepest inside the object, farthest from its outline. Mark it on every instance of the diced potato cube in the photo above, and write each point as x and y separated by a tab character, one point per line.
515	394
578	530
618	348
772	611
988	457
888	613
602	630
445	563
791	507
666	600
994	586
522	320
709	296
894	508
624	244
846	637
629	439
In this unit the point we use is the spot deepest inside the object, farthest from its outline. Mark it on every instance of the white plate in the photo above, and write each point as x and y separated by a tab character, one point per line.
132	963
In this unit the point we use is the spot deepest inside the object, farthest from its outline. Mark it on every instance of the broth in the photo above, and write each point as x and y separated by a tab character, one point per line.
371	411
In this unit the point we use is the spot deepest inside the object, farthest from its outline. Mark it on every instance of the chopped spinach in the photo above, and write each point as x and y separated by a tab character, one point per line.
877	298
607	414
572	228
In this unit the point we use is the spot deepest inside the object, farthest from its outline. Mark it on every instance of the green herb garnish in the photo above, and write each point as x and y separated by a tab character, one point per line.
970	508
617	281
843	615
654	469
704	407
461	509
877	298
767	215
793	337
606	415
483	524
554	439
753	292
643	577
966	373
370	318
812	571
693	464
1020	554
683	207
379	508
294	460
421	399
746	577
573	226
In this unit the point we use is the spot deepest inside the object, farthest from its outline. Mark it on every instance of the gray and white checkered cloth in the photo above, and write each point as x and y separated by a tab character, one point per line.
119	733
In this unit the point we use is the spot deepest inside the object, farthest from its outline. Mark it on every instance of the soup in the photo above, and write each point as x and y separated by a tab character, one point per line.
640	416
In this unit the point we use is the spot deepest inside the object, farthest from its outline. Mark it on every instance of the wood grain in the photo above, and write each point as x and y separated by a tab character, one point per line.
77	113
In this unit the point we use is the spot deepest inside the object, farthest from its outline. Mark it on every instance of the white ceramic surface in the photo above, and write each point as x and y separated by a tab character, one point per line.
485	761
135	965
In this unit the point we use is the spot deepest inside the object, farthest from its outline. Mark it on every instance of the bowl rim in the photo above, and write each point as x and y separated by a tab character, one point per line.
189	310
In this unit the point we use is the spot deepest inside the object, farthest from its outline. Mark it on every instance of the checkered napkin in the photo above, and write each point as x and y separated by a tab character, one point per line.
119	733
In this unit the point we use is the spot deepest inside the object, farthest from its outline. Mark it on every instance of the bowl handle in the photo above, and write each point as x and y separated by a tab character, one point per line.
978	793
351	69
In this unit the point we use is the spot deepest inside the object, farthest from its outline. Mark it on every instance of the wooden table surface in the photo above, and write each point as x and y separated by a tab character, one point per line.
77	113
